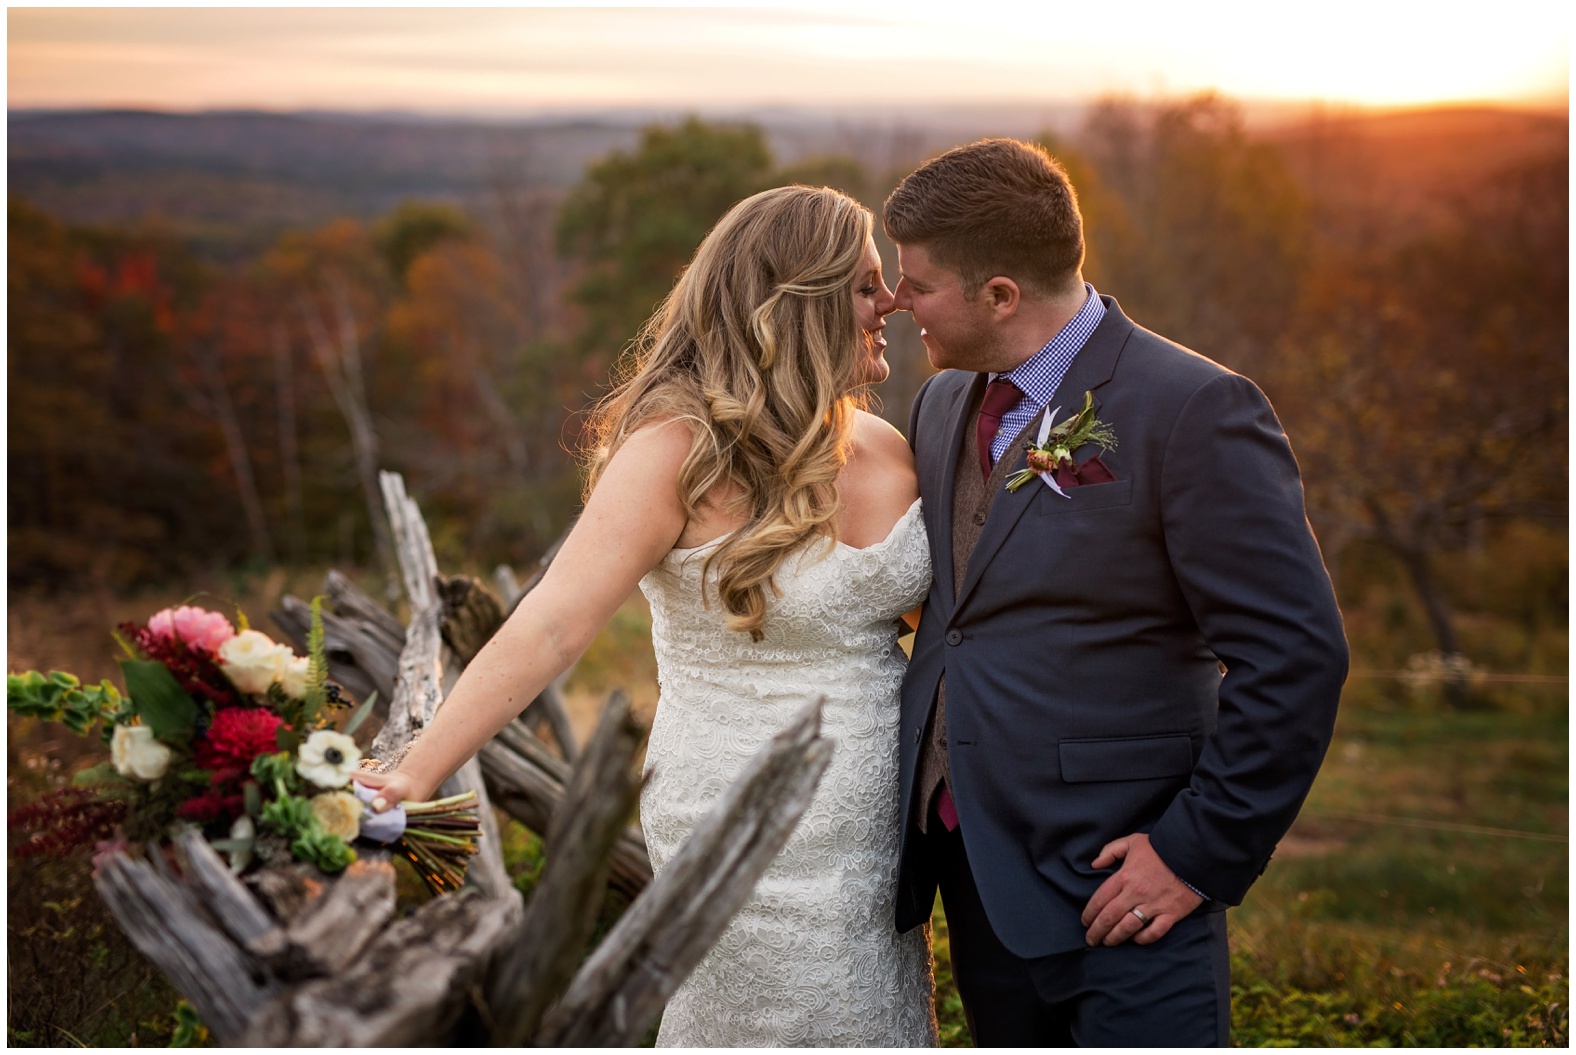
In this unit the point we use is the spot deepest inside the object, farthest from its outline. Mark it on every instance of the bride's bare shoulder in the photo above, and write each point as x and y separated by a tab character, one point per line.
662	437
661	447
658	448
878	443
878	484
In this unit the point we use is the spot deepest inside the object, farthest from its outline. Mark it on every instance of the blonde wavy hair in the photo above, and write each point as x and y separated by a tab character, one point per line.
757	347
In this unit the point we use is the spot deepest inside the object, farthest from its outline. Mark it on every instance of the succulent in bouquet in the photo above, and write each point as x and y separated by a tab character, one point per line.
225	729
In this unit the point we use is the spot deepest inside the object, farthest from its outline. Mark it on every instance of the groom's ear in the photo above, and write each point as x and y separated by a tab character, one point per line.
1001	296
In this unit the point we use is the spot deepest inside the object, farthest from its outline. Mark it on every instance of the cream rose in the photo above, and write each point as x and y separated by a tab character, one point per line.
293	678
137	754
328	759
252	661
339	812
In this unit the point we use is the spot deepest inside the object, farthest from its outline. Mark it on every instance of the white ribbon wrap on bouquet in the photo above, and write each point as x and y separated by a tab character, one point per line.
382	827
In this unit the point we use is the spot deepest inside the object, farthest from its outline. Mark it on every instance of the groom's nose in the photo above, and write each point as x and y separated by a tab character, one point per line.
902	296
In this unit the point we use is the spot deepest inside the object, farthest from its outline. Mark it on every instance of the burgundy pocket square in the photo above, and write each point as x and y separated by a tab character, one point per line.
1091	471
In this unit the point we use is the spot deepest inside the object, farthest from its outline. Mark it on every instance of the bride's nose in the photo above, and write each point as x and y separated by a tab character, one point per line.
886	303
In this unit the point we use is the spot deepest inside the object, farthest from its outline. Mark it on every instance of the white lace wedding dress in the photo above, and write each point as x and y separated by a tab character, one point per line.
812	958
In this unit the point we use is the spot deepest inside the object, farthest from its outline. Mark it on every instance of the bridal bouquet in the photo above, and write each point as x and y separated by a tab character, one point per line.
227	730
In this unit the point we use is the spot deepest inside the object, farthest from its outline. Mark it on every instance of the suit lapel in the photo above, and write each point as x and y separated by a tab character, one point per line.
956	415
1091	368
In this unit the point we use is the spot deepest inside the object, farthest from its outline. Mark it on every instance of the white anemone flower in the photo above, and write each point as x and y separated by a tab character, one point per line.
137	754
328	759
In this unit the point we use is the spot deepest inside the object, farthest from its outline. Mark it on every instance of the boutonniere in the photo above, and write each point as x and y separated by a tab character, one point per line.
1054	447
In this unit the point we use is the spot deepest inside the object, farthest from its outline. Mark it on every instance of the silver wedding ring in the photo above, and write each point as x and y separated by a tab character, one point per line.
1143	919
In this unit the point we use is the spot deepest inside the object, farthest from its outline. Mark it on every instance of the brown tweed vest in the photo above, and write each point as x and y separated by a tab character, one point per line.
972	496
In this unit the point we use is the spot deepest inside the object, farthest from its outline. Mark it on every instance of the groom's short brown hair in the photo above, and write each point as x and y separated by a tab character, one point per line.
993	207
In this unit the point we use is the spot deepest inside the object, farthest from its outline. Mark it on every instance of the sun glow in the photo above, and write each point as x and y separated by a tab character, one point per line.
525	59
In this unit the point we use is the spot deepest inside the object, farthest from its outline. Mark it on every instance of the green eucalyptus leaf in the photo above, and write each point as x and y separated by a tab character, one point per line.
103	773
159	700
232	846
361	714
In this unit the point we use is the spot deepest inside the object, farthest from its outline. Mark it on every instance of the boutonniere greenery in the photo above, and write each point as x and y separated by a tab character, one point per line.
1054	447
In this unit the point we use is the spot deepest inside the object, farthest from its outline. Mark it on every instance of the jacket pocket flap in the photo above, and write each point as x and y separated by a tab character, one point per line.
1132	758
1085	498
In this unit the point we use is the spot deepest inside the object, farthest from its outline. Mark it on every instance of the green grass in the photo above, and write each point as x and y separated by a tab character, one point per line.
1368	932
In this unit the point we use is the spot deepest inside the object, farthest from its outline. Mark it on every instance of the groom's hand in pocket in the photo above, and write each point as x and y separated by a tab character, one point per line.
1143	882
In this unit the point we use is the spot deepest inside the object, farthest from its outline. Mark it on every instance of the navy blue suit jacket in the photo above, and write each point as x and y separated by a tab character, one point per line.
1084	697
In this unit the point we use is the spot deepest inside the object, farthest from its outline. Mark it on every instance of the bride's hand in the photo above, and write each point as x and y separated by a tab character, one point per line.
393	789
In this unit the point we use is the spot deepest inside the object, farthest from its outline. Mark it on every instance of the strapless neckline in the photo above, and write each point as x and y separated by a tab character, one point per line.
910	514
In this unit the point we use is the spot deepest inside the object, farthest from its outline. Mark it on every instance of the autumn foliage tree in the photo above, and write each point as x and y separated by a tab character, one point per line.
1420	367
333	290
1202	229
637	216
1426	384
101	457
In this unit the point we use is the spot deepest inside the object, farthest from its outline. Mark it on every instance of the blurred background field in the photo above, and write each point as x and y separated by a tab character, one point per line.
219	323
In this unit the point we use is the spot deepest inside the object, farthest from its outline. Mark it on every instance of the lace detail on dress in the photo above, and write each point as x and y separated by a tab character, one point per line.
813	957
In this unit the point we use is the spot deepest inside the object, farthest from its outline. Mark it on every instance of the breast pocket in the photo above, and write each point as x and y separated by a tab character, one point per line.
1085	499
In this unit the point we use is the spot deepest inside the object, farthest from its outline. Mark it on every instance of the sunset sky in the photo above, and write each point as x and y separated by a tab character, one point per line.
853	57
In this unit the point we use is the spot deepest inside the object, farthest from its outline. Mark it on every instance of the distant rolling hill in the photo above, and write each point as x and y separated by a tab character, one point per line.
231	181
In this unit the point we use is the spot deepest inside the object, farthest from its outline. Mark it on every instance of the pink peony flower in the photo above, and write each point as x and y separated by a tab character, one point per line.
193	627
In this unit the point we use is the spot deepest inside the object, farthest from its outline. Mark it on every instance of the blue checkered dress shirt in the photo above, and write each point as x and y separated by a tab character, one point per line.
1038	377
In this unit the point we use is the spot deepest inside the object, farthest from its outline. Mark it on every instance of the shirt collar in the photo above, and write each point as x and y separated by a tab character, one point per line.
1039	376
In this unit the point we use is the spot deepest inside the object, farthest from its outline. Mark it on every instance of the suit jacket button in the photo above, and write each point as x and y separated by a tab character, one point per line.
954	636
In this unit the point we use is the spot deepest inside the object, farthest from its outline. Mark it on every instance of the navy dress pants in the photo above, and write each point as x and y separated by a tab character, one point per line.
1174	993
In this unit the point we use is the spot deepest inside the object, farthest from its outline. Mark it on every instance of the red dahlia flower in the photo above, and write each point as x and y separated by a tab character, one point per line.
236	736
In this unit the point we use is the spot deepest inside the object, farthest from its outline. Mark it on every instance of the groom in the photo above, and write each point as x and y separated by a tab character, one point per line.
1123	684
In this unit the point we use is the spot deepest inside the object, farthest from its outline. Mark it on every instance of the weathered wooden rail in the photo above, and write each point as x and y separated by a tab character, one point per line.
289	956
522	776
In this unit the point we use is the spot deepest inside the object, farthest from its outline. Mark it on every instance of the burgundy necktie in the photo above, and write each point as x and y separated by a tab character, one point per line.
1001	395
946	809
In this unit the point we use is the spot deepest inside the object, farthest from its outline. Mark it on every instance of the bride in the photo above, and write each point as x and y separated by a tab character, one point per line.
775	528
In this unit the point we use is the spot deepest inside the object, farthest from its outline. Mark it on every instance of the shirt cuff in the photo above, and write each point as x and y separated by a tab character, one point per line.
1193	888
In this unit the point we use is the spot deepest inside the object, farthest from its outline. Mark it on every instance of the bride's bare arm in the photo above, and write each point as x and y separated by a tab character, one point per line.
631	520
